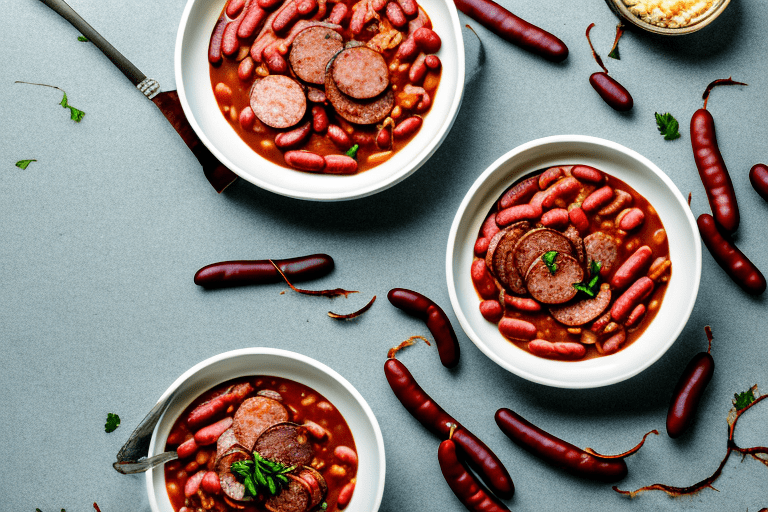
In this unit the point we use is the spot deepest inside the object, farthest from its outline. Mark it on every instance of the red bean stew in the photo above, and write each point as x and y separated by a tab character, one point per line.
287	424
303	82
571	263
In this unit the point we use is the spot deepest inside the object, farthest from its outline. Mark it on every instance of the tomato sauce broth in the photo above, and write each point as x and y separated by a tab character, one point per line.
303	404
261	137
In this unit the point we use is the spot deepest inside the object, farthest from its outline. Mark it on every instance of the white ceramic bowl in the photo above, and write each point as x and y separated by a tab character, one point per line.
196	95
626	165
290	365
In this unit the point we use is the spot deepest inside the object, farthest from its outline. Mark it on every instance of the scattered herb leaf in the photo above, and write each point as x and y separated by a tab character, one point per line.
668	126
261	475
353	151
549	260
355	314
590	287
741	400
113	421
23	164
75	114
615	50
324	506
83	39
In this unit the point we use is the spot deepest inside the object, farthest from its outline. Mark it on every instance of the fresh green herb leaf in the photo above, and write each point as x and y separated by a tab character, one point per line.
353	151
113	421
668	126
594	267
549	260
83	39
591	287
615	50
75	114
324	506
584	288
261	476
23	164
741	400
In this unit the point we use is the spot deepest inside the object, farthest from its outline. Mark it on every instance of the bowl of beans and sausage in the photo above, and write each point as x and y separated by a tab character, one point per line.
266	430
573	262
321	100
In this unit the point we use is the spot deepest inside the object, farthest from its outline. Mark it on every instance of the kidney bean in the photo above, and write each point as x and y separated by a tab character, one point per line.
287	16
210	434
421	406
268	4
432	61
407	127
230	44
587	173
234	8
223	93
410	7
635	315
517	329
729	257
437	322
560	190
579	220
363	139
491	310
346	455
407	50
599	325
305	7
245	69
481	246
513	29
214	46
338	13
521	303
187	448
463	483
315	430
418	69
345	495
557	218
612	344
519	193
560	350
630	219
597	199
252	19
193	483
320	119
550	176
639	290
612	92
211	483
384	137
247	118
339	137
395	15
305	160
758	177
243	272
427	40
688	391
340	164
558	452
275	62
191	467
632	268
714	175
621	200
489	227
295	137
517	213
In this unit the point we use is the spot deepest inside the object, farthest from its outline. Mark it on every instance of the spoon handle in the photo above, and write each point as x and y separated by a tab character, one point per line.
129	468
129	70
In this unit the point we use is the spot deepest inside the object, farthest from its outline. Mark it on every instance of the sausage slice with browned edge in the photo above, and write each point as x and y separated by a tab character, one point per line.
500	256
293	498
256	415
360	72
244	272
311	50
286	443
556	287
278	101
535	243
357	111
583	311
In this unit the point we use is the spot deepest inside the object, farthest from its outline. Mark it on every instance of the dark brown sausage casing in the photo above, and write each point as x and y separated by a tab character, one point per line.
558	452
687	394
515	30
612	92
244	272
463	484
714	175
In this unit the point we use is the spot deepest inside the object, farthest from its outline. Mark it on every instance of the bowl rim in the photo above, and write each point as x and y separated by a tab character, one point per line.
388	180
287	354
623	12
462	211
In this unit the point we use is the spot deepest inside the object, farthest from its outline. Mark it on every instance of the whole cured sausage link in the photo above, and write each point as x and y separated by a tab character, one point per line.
421	406
242	272
214	48
463	484
437	322
558	452
730	258
758	177
515	30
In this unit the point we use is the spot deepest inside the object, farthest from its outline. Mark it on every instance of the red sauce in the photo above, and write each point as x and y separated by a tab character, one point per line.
651	233
303	404
261	137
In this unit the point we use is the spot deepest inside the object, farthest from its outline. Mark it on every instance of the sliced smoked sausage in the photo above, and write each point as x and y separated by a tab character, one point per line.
286	443
360	72
254	416
554	288
311	51
583	311
359	111
278	101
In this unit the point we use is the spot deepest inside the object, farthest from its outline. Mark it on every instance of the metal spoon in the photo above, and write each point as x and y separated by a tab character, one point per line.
168	102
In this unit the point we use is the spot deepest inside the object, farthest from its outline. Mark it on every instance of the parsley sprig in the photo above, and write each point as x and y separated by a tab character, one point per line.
23	164
668	126
75	114
549	260
591	287
261	476
113	421
741	400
